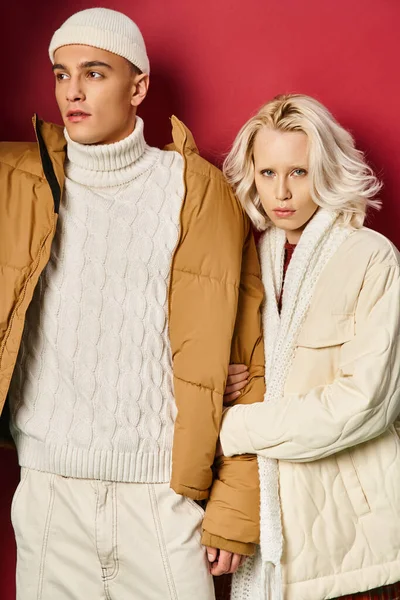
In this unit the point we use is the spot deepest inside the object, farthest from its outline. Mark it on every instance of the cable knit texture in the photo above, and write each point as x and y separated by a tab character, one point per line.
92	392
260	578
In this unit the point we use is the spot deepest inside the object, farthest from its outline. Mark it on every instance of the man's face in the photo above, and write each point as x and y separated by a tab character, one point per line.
97	93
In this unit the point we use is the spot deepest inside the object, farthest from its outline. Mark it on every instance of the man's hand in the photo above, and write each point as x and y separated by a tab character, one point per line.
222	562
238	376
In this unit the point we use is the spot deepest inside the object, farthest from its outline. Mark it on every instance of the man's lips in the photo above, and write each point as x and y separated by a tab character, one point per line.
77	115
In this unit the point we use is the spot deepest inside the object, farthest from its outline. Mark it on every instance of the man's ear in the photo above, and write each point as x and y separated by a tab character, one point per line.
140	89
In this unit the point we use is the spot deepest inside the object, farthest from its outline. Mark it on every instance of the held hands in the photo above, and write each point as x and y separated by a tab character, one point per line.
238	376
222	562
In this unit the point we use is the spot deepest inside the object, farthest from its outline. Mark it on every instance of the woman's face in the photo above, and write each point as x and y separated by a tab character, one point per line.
282	179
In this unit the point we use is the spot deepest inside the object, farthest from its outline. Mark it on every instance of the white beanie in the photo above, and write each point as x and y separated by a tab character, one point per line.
105	29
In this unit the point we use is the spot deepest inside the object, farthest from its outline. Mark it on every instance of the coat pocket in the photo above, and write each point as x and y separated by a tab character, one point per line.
352	484
318	351
326	331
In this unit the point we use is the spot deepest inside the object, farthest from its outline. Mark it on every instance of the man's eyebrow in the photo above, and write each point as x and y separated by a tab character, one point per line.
94	63
85	65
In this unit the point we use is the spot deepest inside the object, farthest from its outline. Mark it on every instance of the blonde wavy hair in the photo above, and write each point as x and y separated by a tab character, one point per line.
340	178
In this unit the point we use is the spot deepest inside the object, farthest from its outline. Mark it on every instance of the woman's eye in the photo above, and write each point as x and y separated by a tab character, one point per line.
299	172
267	173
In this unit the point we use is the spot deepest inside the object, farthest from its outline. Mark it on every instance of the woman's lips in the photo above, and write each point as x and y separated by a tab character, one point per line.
283	213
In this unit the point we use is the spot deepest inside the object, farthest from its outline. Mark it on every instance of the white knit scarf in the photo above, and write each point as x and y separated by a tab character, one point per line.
260	577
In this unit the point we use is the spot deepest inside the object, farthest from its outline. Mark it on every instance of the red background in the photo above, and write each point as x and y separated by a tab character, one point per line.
214	62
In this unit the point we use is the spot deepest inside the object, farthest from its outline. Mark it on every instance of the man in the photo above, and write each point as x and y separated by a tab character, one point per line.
122	269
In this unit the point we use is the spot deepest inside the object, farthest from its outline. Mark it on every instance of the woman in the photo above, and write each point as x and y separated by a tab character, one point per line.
325	435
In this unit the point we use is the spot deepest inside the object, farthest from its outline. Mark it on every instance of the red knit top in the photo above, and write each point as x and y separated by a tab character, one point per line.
289	249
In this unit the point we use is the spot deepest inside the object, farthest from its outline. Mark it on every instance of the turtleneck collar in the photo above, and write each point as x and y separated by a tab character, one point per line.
110	165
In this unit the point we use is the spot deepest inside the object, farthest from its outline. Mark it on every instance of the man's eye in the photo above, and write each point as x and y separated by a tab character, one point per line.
94	75
61	76
267	173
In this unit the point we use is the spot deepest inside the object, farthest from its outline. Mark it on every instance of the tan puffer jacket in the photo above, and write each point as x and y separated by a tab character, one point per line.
215	271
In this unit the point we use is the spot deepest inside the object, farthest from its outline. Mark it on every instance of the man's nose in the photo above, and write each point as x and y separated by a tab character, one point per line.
74	91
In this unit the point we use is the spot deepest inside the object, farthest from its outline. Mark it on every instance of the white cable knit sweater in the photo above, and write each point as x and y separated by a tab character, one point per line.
92	391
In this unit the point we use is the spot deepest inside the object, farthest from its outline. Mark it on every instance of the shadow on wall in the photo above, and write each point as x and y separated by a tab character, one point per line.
165	98
385	166
27	74
9	476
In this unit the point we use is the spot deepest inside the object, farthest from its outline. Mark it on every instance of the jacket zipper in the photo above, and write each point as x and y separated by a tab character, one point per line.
48	168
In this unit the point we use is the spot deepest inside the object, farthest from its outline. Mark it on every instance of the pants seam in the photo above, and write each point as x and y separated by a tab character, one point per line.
46	537
114	537
96	530
161	543
96	527
106	589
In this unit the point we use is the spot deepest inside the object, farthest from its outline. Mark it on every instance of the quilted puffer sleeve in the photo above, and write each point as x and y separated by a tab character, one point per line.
232	514
215	293
360	404
204	293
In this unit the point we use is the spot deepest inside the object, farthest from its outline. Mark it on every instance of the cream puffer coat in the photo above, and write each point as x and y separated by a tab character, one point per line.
336	431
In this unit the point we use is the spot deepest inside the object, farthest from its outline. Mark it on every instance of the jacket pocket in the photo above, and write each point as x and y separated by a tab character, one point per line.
352	484
318	349
326	330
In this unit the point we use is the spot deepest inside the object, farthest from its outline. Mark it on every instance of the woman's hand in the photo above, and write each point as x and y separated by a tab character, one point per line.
238	376
222	562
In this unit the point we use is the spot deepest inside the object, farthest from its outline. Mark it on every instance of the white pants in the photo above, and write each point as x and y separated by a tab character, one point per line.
79	539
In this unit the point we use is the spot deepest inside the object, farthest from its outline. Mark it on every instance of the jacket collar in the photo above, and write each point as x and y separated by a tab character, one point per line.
182	137
52	146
